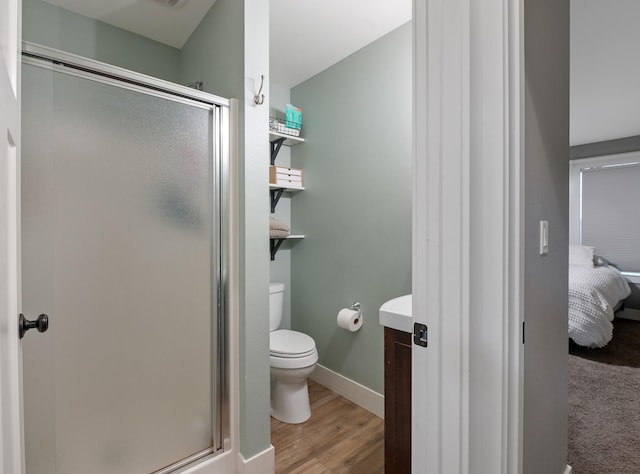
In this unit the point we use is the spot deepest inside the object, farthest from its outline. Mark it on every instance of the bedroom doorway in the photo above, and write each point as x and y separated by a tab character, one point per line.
604	379
604	322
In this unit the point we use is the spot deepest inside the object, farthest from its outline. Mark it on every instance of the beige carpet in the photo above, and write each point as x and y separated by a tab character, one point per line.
604	404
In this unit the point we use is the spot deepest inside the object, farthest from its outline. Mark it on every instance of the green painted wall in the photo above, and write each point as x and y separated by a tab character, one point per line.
356	209
48	25
255	405
226	52
280	268
214	53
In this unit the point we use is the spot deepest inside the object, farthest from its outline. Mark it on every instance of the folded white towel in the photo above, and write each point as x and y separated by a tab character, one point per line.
278	234
275	224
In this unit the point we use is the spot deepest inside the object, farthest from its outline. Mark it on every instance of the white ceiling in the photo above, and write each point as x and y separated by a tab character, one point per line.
306	36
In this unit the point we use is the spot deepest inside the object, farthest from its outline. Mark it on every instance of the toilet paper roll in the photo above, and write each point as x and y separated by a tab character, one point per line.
350	320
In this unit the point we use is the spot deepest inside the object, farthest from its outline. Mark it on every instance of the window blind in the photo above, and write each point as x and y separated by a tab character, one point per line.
610	221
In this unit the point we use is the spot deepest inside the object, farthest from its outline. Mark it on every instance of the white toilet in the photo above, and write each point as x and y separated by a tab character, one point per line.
293	357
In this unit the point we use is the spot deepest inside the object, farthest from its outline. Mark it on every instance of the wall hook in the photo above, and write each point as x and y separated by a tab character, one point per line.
258	99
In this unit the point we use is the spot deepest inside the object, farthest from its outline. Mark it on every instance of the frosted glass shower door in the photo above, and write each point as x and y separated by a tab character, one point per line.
120	250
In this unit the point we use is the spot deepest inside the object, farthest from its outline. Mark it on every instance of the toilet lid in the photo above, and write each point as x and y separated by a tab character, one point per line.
286	343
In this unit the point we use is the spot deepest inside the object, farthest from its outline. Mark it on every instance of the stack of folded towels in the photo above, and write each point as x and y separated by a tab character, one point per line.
278	229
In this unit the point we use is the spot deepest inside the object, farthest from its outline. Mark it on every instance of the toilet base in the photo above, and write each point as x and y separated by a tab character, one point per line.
290	400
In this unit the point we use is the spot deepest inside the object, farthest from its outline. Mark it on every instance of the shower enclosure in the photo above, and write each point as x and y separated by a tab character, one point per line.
124	208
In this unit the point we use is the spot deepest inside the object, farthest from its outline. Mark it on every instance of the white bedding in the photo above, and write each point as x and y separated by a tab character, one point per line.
593	293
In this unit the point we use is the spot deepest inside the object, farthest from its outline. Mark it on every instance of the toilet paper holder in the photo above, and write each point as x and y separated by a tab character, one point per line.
350	318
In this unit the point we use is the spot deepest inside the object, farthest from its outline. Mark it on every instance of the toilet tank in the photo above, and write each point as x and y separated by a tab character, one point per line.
276	305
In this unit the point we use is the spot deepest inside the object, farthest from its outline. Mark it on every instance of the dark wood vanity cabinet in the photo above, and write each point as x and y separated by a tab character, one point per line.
397	402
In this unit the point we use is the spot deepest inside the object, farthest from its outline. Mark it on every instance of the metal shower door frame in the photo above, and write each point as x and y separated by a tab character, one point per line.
59	61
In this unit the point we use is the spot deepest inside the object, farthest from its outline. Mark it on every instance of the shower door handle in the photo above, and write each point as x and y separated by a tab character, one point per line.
41	324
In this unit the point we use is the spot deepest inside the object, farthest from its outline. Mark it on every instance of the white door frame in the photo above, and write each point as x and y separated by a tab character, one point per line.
467	236
11	445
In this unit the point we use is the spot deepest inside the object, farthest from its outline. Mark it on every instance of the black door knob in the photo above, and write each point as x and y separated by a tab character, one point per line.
41	324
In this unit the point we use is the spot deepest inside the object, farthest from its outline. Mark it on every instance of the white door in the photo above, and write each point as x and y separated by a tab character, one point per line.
11	412
440	392
466	397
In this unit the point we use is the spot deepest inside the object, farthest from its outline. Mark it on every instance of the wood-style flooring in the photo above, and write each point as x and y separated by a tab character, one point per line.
340	437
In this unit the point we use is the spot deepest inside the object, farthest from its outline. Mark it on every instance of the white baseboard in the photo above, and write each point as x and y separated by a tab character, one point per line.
358	394
629	313
568	470
261	463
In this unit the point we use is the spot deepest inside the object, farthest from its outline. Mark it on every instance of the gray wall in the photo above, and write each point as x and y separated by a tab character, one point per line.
356	209
48	25
605	100
546	115
279	96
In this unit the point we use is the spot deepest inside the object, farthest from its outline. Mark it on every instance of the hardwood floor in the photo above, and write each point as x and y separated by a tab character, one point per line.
340	437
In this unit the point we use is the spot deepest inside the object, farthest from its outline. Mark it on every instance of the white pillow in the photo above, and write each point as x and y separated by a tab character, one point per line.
581	255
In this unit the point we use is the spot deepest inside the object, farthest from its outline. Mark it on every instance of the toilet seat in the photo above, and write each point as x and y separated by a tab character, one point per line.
290	344
291	350
293	362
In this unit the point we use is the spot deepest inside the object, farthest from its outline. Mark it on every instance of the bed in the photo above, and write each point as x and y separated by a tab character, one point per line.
595	292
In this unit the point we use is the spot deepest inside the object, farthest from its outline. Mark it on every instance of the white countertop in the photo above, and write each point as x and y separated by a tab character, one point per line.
398	313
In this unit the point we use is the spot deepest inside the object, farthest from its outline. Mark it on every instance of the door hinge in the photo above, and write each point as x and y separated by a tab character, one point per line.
420	334
523	332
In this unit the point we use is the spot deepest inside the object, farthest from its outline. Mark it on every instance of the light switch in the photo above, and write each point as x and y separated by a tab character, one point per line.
544	237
